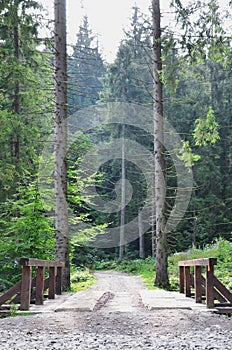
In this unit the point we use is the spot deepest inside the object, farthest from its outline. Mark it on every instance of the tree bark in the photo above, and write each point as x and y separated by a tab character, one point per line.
141	236
159	164
123	199
16	90
60	175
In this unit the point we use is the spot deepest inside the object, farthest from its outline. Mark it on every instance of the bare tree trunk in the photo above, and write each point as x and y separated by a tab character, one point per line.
61	212
123	199
16	106
159	182
141	236
194	235
153	237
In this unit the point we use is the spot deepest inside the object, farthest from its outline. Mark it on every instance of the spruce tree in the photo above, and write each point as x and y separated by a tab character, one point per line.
85	70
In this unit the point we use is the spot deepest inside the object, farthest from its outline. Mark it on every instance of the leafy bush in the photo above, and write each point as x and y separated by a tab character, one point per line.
81	279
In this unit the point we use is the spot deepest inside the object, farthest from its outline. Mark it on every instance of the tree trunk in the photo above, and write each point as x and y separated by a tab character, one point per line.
141	236
159	181
123	200
153	234
16	90
61	211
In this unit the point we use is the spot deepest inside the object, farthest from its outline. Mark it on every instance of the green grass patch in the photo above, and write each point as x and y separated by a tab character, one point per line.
82	279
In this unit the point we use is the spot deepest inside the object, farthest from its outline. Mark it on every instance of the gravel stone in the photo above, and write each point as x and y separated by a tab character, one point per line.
118	325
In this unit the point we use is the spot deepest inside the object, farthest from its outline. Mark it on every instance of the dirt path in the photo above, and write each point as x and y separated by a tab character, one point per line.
125	290
121	324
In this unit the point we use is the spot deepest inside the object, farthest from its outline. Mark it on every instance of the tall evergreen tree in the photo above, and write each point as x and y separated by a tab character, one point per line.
85	70
24	100
26	120
60	133
159	161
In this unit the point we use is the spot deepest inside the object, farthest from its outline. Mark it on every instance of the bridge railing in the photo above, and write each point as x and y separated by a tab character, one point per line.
208	286
22	290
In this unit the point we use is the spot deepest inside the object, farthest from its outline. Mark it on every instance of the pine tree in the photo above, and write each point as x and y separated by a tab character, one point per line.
60	133
25	105
85	70
159	161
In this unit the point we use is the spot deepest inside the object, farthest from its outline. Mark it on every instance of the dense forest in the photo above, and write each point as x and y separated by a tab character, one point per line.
197	103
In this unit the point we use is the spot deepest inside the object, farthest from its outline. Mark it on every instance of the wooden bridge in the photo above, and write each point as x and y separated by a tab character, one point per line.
197	280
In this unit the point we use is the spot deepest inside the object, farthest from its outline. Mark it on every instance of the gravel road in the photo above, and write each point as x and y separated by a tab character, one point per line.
121	324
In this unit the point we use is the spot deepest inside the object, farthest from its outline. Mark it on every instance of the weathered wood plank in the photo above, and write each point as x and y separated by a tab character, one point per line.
10	293
224	310
52	283
217	295
198	262
222	289
39	291
197	284
187	280
38	262
59	281
181	277
210	286
26	288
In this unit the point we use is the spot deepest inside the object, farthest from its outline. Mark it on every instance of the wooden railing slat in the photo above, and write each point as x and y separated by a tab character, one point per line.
38	262
198	262
217	295
222	289
10	293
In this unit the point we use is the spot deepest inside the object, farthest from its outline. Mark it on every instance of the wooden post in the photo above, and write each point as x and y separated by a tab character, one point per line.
39	292
187	281
181	276
59	281
52	283
26	288
197	284
209	285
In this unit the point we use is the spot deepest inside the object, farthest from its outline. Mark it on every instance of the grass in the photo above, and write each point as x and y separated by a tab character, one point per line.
81	280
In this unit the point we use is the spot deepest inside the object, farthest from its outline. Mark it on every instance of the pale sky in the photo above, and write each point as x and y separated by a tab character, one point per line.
107	18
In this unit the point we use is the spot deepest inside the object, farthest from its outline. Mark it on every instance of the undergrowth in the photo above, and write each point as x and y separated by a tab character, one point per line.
81	279
222	250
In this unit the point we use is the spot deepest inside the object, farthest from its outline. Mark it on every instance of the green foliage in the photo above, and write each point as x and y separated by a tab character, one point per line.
81	279
13	310
187	156
129	77
25	100
206	129
203	35
25	232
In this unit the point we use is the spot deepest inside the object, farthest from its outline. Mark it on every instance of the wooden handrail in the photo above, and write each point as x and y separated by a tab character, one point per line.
55	280
198	262
210	285
40	263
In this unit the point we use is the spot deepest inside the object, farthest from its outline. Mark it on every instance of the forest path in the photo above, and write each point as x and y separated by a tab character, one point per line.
125	291
122	323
